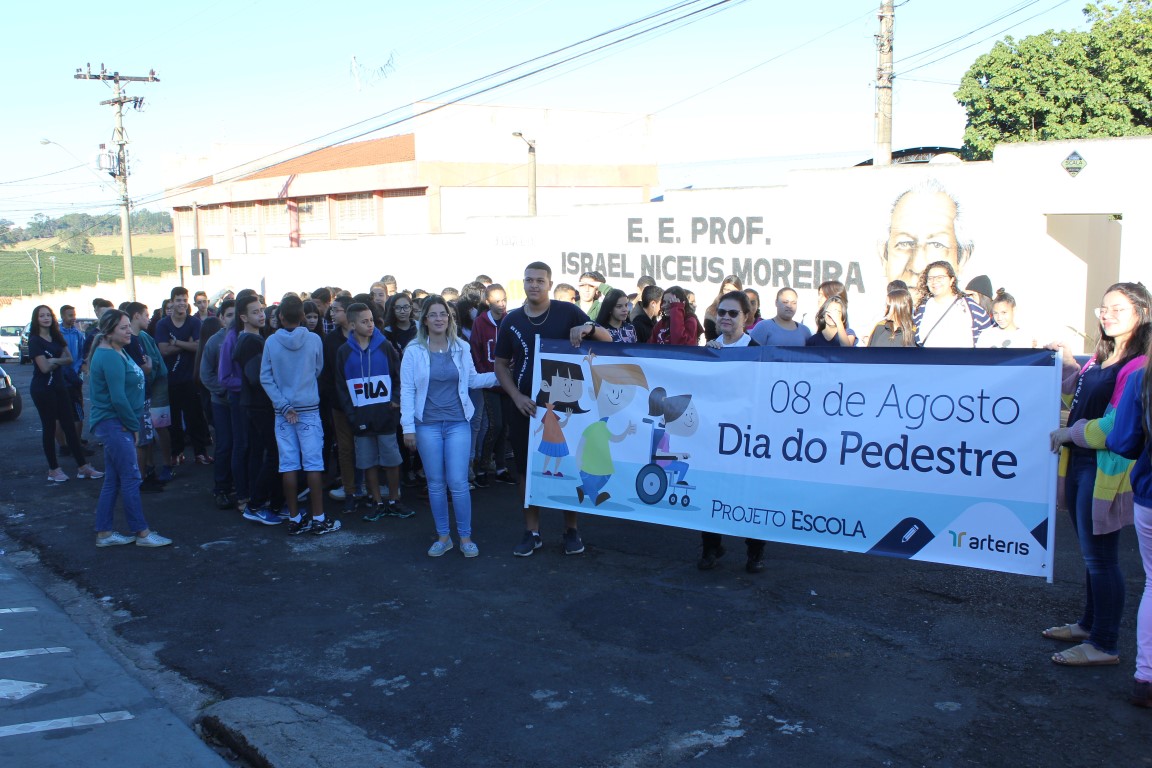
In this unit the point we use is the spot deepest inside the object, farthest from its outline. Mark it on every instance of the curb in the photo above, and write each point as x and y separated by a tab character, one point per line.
273	732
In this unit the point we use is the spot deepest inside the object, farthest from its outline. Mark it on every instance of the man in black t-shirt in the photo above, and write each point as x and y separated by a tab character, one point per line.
515	352
178	337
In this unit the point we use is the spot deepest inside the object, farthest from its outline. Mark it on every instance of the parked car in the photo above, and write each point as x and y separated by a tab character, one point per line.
24	356
10	401
10	336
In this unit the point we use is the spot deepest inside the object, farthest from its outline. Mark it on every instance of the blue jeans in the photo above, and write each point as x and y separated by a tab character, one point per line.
444	448
239	421
1104	602
121	477
479	423
222	469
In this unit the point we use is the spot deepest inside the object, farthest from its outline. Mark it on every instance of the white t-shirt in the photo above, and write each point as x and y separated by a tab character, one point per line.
998	337
946	325
740	342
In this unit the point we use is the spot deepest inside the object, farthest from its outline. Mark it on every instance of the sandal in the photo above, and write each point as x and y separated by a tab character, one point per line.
1085	655
1066	633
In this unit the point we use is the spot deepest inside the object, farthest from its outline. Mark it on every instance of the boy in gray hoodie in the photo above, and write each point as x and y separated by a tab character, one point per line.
292	360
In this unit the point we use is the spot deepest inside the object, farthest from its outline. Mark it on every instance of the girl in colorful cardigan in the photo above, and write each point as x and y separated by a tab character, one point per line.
1094	480
1131	437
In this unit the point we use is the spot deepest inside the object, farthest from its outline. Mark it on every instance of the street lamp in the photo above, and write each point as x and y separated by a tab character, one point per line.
531	172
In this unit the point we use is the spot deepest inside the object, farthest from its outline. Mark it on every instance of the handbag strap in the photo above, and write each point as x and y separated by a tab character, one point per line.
938	321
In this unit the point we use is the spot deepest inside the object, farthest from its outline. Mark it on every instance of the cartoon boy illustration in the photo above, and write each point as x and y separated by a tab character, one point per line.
614	387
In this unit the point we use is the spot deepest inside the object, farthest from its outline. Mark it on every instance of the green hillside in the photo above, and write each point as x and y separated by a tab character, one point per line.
152	255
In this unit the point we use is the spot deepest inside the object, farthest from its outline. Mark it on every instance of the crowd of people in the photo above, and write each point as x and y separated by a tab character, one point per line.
368	396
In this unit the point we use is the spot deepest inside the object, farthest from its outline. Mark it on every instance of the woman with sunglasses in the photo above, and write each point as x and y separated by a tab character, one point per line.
945	315
1094	483
732	313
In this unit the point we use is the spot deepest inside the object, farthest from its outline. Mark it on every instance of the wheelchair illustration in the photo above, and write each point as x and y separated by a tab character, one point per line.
653	480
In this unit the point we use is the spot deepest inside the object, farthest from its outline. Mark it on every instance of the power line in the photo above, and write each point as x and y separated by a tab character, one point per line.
1010	12
983	40
247	168
41	176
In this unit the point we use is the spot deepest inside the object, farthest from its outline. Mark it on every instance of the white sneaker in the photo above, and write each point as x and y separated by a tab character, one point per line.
153	539
337	494
113	539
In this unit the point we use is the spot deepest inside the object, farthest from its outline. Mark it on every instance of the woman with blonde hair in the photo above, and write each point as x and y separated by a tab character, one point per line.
435	375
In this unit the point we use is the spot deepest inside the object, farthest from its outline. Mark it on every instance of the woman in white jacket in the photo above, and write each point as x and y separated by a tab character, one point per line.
435	377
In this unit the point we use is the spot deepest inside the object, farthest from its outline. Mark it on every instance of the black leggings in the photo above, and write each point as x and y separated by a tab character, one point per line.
54	404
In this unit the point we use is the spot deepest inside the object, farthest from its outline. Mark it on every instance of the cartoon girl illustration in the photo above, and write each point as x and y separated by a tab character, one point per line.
561	387
677	416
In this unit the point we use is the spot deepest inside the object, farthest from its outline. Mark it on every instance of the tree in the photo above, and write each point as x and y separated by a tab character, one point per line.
1064	85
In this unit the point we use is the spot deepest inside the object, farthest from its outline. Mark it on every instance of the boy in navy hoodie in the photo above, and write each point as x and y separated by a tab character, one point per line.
291	363
368	388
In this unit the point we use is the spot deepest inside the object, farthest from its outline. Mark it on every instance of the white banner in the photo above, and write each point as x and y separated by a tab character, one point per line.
937	455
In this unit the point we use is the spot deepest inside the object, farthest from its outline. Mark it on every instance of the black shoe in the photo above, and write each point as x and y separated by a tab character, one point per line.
398	509
755	564
481	480
350	505
378	511
151	485
529	544
325	526
223	501
708	559
305	525
504	476
573	544
1141	694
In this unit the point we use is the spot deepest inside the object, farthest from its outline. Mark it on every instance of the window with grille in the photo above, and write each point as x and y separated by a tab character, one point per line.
355	213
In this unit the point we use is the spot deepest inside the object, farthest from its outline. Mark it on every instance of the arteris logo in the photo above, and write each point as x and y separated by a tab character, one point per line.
989	543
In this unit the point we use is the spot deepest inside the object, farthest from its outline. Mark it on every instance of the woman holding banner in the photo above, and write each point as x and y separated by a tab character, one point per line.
1131	437
1095	483
732	312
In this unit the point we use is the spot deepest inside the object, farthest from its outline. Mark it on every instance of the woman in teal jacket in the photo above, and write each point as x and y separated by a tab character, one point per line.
117	392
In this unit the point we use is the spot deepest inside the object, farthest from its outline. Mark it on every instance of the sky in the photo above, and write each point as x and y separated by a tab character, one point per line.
747	88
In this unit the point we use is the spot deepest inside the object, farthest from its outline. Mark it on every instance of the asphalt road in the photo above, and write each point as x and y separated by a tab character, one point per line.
624	656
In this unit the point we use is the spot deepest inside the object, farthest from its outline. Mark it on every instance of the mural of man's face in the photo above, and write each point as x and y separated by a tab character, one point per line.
922	230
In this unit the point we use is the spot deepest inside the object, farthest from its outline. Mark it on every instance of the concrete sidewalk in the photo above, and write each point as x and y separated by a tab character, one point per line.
64	701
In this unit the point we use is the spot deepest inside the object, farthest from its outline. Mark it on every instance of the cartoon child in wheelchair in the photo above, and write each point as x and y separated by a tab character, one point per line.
669	415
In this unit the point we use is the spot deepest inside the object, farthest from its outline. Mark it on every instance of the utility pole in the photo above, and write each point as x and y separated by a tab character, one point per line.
120	172
884	85
35	259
